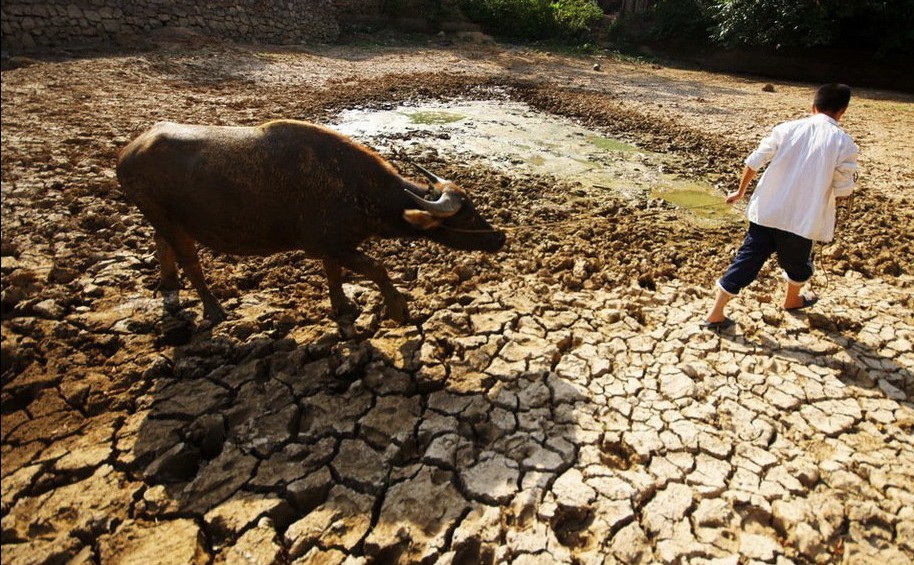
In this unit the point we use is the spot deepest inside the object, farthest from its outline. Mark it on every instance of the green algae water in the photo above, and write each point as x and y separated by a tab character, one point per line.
698	199
434	117
610	144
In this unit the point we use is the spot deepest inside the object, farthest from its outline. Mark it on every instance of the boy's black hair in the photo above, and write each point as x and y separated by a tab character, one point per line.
832	98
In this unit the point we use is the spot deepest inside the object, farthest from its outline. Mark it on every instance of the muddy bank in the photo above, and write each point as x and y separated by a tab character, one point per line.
552	403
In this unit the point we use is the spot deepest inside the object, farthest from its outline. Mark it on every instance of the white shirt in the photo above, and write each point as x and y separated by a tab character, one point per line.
810	162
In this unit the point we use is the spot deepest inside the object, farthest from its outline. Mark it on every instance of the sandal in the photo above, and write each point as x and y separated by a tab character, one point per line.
807	302
721	325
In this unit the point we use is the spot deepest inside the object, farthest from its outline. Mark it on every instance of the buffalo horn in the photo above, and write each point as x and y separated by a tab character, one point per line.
430	175
447	204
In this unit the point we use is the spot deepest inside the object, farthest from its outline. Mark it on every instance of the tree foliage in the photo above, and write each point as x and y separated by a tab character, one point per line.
534	19
855	24
882	26
771	22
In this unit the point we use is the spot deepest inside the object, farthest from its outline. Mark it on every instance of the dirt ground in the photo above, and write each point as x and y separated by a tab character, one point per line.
552	403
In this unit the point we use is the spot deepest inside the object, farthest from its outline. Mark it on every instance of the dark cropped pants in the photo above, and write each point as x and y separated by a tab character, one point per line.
794	255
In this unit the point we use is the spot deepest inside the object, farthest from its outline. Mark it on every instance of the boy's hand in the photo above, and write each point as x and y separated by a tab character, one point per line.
748	175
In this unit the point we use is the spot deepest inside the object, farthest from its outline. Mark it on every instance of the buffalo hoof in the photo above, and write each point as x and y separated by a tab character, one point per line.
397	310
171	302
345	310
214	314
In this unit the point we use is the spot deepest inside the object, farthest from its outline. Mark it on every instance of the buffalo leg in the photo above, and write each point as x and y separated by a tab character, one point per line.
168	268
370	268
186	253
340	305
169	284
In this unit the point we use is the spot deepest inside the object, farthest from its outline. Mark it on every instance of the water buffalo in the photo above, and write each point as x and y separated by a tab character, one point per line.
286	185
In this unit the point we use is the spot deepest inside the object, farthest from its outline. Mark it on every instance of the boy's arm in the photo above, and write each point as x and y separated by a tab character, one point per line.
755	161
845	177
748	174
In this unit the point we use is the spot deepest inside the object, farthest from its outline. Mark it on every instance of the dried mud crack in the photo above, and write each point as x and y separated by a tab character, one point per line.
555	403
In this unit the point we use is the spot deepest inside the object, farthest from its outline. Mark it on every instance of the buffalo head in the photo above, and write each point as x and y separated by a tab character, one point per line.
450	218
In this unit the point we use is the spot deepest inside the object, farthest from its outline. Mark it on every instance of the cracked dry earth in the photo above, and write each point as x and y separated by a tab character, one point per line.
554	403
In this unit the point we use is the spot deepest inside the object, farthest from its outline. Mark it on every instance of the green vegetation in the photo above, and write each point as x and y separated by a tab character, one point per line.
610	144
534	19
434	117
435	10
884	27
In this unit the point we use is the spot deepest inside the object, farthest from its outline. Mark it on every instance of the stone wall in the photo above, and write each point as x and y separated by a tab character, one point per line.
29	24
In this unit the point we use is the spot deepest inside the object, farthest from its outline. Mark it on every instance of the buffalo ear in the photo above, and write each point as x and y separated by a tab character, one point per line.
421	219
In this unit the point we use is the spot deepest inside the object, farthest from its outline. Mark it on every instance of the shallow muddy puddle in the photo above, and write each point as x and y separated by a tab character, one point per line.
699	198
513	137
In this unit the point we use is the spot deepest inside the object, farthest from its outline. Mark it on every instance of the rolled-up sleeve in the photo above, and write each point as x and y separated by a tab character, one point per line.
764	153
845	177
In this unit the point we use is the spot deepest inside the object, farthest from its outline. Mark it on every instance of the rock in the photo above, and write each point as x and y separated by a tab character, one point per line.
492	321
357	462
712	513
631	546
824	417
208	433
85	451
176	332
17	483
493	479
442	451
341	521
417	516
675	384
227	520
571	491
391	420
94	504
62	548
677	547
263	435
192	397
177	465
644	442
666	508
292	463
759	547
49	309
23	284
333	414
141	543
310	491
157	501
218	479
809	542
257	546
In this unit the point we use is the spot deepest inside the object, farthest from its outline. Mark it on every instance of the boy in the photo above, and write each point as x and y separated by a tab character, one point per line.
811	163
